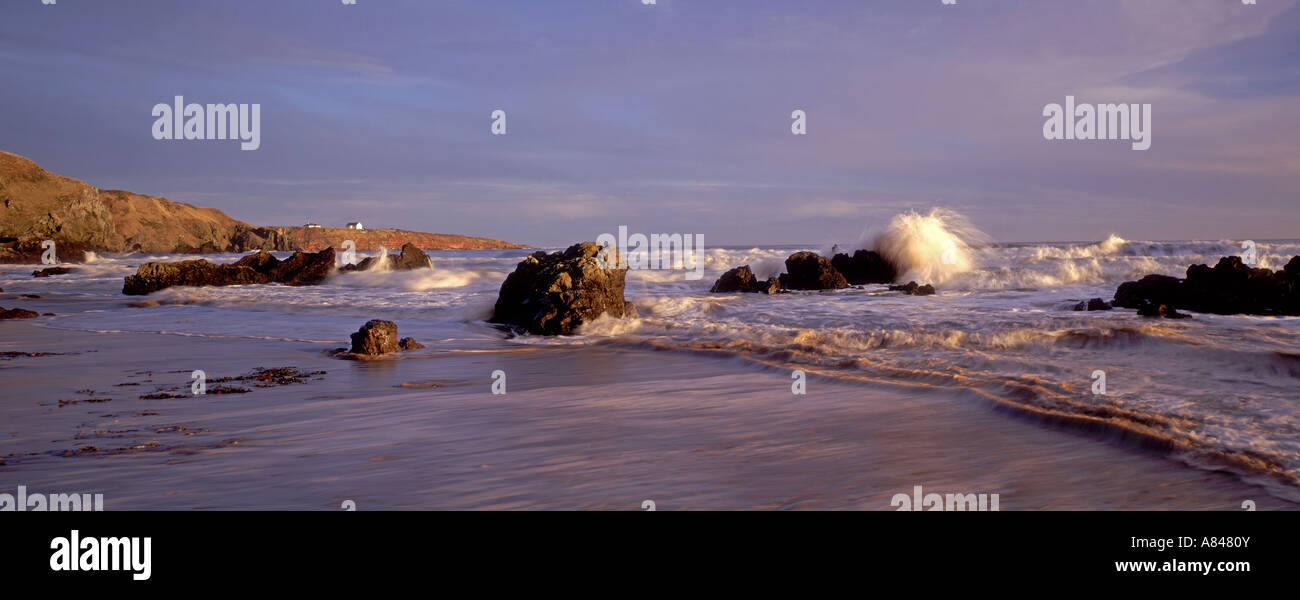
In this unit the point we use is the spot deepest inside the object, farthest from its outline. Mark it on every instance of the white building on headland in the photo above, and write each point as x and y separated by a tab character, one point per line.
311	225
356	225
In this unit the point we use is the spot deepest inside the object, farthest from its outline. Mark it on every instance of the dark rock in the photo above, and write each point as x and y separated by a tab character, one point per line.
552	294
154	276
411	258
375	337
1230	287
1093	304
53	271
17	313
306	269
409	344
741	279
913	289
865	266
1158	289
261	261
299	269
811	271
1160	310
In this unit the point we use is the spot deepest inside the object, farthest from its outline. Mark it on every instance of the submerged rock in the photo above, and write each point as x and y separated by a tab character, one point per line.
811	271
407	343
741	279
1230	287
375	337
1093	304
865	266
553	294
913	289
260	267
53	271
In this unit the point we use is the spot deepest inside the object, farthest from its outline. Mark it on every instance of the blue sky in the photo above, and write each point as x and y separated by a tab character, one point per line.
675	117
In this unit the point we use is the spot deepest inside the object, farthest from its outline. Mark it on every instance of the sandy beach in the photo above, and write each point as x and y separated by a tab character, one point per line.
579	428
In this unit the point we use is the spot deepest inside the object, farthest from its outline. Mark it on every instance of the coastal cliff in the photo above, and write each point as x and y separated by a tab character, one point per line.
37	205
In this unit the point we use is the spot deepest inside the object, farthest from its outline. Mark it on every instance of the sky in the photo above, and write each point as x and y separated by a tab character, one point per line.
675	117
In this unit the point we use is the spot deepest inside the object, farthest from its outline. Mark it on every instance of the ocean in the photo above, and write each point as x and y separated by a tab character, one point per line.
1211	393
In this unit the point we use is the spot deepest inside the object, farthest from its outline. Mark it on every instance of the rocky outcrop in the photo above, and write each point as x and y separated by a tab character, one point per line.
17	313
1230	287
407	343
409	259
865	266
811	271
912	289
741	279
260	267
553	294
375	337
1093	304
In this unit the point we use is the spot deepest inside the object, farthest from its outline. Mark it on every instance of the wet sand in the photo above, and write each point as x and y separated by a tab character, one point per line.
579	428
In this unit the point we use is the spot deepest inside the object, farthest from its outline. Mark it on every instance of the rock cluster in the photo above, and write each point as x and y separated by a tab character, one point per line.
410	258
811	271
1093	304
741	279
259	267
1230	287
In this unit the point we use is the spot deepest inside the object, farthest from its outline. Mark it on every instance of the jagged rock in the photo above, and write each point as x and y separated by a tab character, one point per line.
261	261
53	271
1093	304
1230	287
913	289
865	266
17	313
409	259
299	269
375	337
553	294
811	271
407	343
306	269
741	279
154	276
